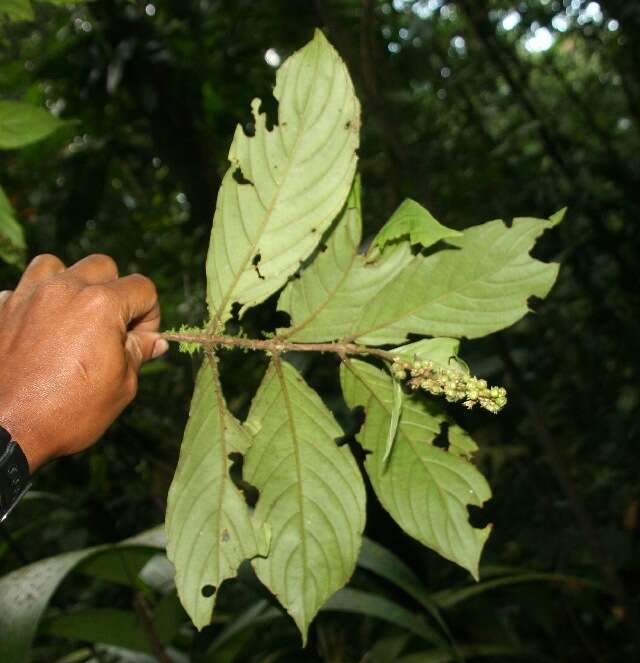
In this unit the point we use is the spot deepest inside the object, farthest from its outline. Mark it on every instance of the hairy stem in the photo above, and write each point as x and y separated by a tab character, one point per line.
276	345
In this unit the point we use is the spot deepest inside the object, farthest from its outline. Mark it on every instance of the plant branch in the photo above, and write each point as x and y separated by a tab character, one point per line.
276	345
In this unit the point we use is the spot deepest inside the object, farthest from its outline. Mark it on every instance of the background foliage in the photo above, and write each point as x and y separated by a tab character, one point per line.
477	110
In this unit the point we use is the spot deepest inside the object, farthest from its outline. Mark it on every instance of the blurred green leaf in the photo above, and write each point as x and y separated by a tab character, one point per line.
25	593
234	637
373	605
22	124
12	243
468	652
449	598
387	565
17	10
120	628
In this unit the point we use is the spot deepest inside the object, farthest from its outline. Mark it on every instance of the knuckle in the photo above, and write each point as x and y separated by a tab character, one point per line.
104	261
143	281
44	259
98	298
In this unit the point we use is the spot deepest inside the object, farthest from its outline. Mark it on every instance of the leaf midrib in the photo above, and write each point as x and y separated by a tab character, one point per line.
391	321
213	363
217	319
298	464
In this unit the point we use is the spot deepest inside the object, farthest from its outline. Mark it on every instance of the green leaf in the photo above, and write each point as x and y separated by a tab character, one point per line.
64	3
414	220
16	10
449	598
235	635
476	288
293	181
558	217
373	605
466	652
311	493
425	488
120	628
396	410
25	593
333	290
12	244
388	649
210	528
22	124
117	566
377	559
437	350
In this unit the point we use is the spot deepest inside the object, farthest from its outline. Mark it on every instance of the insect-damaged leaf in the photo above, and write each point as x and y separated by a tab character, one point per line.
479	286
417	223
333	290
209	526
425	488
311	494
285	185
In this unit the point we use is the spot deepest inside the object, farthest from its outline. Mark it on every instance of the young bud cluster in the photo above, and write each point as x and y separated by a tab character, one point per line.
453	384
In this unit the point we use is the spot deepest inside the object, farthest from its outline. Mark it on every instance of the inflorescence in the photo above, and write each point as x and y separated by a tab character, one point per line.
454	384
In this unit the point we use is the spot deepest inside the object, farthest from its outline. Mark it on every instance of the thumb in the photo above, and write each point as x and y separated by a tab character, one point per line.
142	346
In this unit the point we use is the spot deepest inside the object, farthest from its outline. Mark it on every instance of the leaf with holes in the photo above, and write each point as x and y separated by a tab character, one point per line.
334	289
279	490
425	488
475	288
210	528
285	185
311	494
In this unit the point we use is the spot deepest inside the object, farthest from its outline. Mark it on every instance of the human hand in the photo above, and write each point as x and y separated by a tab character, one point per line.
71	344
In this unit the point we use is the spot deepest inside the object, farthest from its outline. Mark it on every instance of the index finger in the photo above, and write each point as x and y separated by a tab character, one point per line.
138	301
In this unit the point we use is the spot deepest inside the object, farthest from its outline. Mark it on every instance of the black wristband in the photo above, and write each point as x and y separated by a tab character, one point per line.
14	473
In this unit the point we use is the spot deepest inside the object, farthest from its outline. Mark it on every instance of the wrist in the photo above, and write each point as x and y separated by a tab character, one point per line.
23	433
14	473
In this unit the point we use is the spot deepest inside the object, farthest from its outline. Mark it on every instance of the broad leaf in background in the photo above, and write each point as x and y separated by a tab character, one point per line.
414	220
16	10
209	526
284	186
12	244
311	493
333	289
22	124
425	488
478	287
373	605
25	593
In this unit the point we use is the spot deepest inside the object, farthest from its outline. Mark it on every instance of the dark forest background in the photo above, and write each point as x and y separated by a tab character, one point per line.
478	109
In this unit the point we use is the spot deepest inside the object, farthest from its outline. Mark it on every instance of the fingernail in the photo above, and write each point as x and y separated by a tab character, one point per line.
159	348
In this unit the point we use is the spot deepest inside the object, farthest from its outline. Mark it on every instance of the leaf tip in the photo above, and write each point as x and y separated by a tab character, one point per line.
556	219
